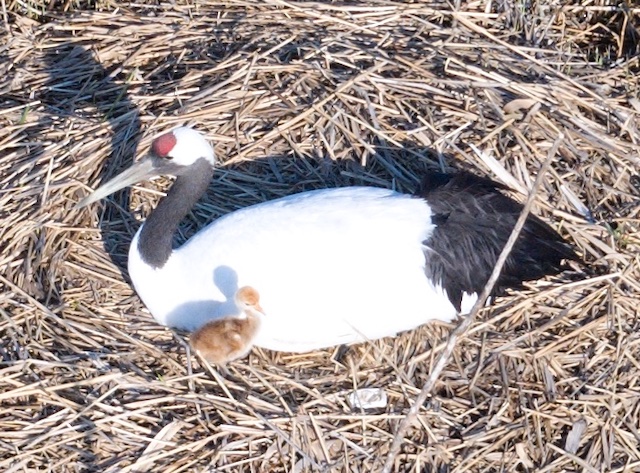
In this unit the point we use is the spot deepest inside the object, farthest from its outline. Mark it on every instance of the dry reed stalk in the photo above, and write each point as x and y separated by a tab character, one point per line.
468	319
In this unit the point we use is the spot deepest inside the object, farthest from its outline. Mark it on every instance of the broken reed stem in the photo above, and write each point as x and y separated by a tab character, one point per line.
466	322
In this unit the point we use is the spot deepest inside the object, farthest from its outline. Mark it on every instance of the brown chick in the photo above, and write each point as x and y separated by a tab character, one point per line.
228	339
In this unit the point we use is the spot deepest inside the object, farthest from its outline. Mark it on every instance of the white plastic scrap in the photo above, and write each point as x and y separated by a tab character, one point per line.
368	398
575	435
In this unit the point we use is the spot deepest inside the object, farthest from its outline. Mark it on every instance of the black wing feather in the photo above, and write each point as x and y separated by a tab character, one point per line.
474	221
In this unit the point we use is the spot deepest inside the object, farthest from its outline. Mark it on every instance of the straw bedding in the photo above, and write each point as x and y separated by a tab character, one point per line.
299	96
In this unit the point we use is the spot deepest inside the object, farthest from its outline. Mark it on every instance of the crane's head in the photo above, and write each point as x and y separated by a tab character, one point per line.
171	153
182	146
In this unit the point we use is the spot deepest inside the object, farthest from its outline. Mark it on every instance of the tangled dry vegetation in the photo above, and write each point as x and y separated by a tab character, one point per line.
298	96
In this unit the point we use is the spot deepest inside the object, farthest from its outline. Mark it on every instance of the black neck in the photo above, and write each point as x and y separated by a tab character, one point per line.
156	236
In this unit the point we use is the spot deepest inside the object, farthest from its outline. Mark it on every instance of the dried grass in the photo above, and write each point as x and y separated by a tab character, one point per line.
299	96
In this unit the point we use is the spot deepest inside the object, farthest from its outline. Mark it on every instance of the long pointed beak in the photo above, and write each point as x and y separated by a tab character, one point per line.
144	169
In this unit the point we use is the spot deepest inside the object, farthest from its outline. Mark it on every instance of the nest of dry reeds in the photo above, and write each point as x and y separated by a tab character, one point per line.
298	96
